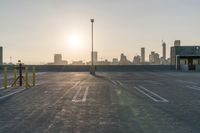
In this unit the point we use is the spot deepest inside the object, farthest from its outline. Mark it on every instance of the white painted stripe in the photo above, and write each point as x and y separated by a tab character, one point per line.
66	93
113	82
85	95
2	88
194	87
120	83
146	94
75	96
165	100
189	82
3	97
152	82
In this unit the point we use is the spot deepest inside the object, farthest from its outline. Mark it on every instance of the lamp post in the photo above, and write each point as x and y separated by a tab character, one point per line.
92	61
92	21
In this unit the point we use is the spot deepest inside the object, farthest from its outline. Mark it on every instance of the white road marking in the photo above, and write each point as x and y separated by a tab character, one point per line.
189	82
120	83
66	93
113	82
9	86
146	94
75	96
85	95
3	97
152	82
165	100
194	87
143	89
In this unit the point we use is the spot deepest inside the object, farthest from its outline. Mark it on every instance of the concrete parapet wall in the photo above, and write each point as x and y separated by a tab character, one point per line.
99	68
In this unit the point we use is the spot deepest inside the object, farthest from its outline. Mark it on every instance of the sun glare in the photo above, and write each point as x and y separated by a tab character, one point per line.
74	42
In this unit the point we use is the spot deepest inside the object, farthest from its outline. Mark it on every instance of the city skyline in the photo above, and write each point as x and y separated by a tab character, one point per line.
139	24
100	58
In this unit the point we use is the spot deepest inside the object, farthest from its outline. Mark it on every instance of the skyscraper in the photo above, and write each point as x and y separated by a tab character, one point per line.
1	55
143	55
57	59
95	56
164	50
136	59
177	43
154	58
123	58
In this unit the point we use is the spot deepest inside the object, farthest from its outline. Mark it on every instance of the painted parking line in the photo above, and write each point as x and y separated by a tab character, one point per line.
152	82
153	96
75	96
188	82
117	82
113	82
194	87
120	83
57	101
85	95
10	94
2	88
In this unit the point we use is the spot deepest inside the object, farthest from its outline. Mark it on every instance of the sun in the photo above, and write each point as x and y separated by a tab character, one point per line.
74	41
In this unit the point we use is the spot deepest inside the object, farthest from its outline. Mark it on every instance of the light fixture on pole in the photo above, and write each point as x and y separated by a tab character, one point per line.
92	69
92	21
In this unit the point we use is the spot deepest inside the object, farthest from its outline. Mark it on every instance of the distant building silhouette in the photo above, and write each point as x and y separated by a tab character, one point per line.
142	55
154	58
136	59
58	60
1	55
164	50
115	61
95	57
177	43
78	63
123	60
105	62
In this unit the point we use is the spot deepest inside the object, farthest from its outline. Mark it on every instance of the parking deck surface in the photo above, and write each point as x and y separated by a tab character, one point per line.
115	102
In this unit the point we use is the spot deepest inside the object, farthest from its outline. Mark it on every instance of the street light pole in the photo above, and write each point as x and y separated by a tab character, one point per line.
92	69
92	21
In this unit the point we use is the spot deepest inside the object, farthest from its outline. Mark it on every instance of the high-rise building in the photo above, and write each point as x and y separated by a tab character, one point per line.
154	58
123	58
177	43
1	55
136	59
114	61
95	57
143	55
164	50
57	59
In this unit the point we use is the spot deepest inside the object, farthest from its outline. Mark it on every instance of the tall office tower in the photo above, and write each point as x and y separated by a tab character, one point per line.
57	59
177	43
154	58
142	55
136	59
95	57
123	58
164	50
1	55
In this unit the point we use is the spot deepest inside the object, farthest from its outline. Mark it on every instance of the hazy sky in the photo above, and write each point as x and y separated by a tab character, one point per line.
33	30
